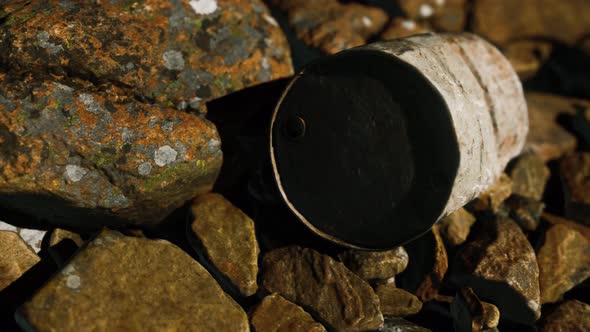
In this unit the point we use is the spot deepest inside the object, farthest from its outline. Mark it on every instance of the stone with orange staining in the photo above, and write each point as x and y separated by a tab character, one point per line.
330	25
228	238
81	156
177	53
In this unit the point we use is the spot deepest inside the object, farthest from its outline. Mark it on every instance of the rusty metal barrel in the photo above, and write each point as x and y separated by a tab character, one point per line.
370	147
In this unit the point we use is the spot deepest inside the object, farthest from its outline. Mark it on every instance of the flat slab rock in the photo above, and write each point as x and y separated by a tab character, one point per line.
176	53
16	258
130	284
320	283
564	261
575	176
276	314
570	316
76	156
371	265
499	263
229	239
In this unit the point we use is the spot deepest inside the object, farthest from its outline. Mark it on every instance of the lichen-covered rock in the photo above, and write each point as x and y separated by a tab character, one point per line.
316	281
16	258
177	53
525	211
276	314
505	20
527	56
330	25
121	283
400	27
58	234
456	226
492	198
499	263
471	314
529	176
371	265
575	177
571	316
32	237
74	154
546	137
396	301
564	261
229	239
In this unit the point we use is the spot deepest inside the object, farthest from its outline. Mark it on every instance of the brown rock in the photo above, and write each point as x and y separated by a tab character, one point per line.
58	234
471	314
82	157
525	211
452	17
16	258
546	137
32	237
499	264
492	198
331	25
505	20
556	220
123	283
529	176
429	286
375	264
575	178
396	301
564	262
401	27
571	316
455	227
313	280
420	9
178	54
527	56
276	314
229	239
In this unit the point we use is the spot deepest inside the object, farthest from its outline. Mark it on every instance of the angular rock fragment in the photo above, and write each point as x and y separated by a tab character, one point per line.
371	265
556	220
32	237
564	262
529	176
546	137
131	284
15	259
525	211
500	265
175	53
527	56
276	314
396	301
401	27
505	20
572	316
59	234
330	25
575	177
320	283
229	239
456	226
491	199
452	17
471	314
80	157
396	324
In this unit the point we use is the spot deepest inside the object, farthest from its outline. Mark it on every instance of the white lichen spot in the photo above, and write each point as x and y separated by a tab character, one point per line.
173	60
534	305
203	7
408	25
265	63
7	227
213	145
92	105
144	168
97	242
165	155
86	98
73	281
43	41
270	20
74	173
195	102
69	269
33	237
439	2
367	21
426	10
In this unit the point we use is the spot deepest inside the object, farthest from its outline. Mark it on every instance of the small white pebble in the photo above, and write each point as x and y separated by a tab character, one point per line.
265	63
73	281
408	25
173	60
426	10
144	168
7	227
69	269
367	22
75	173
203	7
33	237
165	155
271	20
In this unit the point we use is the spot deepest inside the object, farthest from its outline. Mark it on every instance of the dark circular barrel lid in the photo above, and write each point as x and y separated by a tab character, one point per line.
364	150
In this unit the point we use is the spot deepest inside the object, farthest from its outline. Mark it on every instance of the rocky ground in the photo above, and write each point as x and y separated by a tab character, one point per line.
131	198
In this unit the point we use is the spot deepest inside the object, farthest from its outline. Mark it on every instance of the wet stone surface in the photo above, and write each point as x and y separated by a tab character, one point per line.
276	314
371	265
396	301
